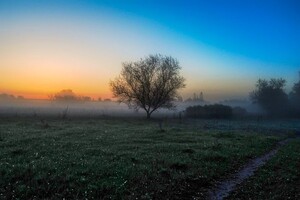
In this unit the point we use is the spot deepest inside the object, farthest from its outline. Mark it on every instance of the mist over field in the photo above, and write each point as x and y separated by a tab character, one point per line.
56	109
48	108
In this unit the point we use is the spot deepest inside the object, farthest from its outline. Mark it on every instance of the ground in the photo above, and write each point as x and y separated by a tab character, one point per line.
128	158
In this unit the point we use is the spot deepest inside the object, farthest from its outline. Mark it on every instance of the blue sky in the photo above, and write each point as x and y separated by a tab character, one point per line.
267	30
219	43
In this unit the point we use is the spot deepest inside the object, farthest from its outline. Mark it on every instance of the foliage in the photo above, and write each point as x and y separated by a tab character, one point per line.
295	99
9	97
150	83
270	96
68	95
209	111
239	111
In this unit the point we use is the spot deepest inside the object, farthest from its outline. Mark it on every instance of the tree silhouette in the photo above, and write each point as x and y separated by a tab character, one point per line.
295	98
150	83
64	95
270	96
68	95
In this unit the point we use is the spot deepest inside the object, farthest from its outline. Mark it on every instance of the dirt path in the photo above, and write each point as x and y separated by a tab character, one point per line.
224	188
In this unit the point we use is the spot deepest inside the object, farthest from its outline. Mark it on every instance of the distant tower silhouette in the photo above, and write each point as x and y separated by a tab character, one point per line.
201	96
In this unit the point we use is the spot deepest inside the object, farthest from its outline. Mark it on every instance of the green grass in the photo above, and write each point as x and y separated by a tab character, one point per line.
118	159
278	179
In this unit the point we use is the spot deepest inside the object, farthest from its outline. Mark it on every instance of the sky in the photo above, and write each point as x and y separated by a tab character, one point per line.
222	46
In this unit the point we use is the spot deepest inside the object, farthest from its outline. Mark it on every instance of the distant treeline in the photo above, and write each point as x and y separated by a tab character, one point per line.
5	96
269	95
68	95
217	111
272	98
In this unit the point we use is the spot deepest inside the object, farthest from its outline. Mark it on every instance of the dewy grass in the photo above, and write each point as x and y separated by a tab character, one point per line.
117	159
278	179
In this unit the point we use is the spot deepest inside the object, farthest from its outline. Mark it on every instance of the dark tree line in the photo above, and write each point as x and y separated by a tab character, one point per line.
295	99
216	111
271	96
209	111
68	95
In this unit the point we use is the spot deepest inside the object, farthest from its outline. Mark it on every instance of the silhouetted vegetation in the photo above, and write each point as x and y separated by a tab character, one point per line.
295	99
239	111
196	98
209	111
65	113
270	95
150	83
8	97
68	95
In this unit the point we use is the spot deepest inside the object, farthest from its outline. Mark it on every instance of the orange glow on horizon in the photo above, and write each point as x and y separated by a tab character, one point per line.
45	95
38	60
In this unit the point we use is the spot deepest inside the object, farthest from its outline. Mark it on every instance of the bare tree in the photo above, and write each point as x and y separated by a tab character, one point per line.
150	83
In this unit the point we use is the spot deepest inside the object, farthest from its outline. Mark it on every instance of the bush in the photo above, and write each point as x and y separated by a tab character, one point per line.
239	111
270	95
209	111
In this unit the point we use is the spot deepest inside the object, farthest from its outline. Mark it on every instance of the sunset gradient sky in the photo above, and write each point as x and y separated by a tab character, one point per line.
222	46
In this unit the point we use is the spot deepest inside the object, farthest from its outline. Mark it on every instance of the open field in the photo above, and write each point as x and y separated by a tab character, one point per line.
132	158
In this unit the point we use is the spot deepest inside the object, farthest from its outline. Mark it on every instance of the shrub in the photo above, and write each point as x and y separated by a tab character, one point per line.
239	111
209	111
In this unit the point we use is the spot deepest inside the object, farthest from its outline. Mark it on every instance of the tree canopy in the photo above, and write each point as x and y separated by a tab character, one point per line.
270	96
67	95
295	98
150	83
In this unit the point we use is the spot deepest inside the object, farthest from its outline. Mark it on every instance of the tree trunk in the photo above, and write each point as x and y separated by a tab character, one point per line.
148	115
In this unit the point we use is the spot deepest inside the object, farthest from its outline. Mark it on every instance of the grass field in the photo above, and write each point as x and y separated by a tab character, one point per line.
124	158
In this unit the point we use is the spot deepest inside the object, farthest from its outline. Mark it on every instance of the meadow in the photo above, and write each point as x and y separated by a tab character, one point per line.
133	158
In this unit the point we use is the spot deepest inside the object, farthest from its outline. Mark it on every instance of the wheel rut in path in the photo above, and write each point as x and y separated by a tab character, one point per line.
224	188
